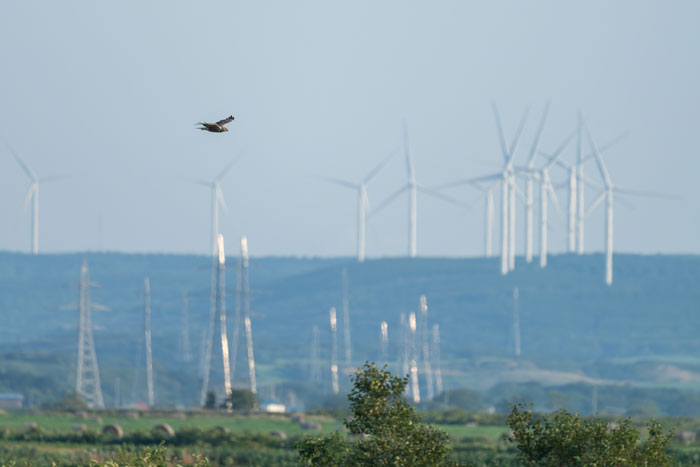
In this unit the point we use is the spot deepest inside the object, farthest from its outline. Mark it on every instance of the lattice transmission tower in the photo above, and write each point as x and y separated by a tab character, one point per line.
87	382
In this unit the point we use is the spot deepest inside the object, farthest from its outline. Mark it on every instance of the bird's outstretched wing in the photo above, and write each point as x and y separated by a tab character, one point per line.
209	126
225	121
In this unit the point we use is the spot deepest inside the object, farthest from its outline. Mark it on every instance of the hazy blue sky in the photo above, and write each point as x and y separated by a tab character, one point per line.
109	92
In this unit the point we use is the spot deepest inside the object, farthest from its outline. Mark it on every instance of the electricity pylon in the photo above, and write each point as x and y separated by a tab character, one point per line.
87	382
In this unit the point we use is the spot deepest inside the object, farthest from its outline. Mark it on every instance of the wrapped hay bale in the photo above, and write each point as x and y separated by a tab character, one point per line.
113	430
165	429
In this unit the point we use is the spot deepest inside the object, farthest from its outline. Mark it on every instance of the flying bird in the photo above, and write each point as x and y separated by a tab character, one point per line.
218	127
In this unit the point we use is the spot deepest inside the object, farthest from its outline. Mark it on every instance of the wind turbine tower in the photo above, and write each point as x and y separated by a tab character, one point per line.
608	195
508	191
516	322
435	354
147	339
334	351
315	354
415	388
580	214
87	382
384	341
546	192
346	318
426	347
529	204
245	263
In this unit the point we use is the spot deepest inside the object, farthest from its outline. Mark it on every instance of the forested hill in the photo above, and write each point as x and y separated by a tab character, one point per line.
566	311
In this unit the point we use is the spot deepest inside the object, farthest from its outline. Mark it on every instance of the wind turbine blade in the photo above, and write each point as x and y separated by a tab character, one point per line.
485	178
439	195
621	137
598	159
528	171
407	150
30	173
517	190
228	166
365	201
340	182
561	163
518	133
501	137
380	166
391	198
653	194
589	181
598	199
54	178
536	142
30	192
220	198
205	183
553	197
454	184
555	155
625	203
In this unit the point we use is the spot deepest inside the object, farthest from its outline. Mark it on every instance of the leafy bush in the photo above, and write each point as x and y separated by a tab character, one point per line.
567	439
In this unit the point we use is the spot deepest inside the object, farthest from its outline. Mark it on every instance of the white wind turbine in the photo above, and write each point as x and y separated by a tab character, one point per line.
217	199
529	192
363	206
413	187
607	194
546	192
33	196
508	191
576	184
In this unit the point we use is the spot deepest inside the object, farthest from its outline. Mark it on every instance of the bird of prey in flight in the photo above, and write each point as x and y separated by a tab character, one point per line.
218	127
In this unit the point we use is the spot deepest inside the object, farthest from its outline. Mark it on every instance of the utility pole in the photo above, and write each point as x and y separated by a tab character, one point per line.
334	351
346	319
415	387
516	322
245	263
426	347
147	337
315	354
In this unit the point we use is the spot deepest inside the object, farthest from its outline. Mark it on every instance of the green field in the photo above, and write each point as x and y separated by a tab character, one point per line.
249	440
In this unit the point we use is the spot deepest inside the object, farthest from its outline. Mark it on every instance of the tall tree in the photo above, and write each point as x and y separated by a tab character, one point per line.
389	431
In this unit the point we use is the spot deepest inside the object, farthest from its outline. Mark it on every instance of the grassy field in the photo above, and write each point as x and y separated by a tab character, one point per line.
248	441
236	424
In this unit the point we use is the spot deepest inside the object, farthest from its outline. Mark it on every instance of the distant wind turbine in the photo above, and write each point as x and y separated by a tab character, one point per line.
413	187
546	192
217	199
576	207
508	191
607	194
529	193
33	196
363	205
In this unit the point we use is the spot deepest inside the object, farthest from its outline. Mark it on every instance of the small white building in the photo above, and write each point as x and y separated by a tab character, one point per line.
272	407
11	401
